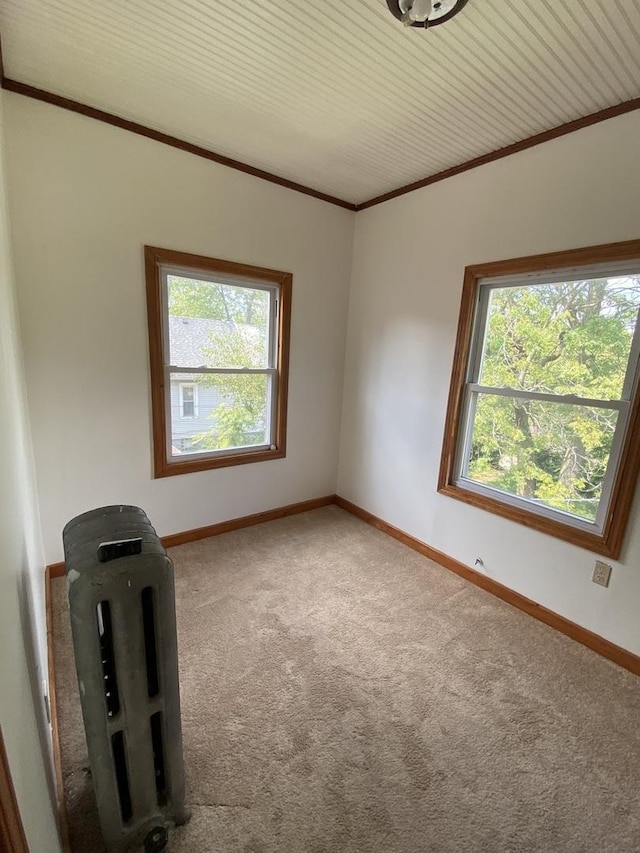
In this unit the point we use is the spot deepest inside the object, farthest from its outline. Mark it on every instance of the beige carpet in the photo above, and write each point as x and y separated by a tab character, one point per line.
342	694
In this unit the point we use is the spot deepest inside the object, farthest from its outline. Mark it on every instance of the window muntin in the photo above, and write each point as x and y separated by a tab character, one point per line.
543	420
219	360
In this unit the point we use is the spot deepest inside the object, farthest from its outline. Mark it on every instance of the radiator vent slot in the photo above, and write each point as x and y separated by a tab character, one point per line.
110	680
150	649
122	775
158	757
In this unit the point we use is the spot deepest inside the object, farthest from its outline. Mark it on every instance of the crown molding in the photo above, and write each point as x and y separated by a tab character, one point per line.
81	108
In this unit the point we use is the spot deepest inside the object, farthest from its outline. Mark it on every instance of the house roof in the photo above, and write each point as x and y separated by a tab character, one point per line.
336	95
189	337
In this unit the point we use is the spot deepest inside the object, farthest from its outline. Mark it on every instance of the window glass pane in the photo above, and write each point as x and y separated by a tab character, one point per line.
563	338
233	411
217	325
553	454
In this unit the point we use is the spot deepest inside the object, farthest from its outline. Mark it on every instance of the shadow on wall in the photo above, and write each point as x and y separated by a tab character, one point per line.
37	679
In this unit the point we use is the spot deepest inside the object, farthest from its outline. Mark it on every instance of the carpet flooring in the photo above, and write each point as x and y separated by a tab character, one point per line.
343	694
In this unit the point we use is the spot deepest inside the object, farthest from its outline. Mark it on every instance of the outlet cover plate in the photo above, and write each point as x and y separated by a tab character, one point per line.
601	573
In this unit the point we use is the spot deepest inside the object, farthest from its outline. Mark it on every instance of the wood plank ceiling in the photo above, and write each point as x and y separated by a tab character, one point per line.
336	94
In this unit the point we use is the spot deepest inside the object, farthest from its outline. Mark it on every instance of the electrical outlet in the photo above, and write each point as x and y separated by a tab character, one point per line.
601	573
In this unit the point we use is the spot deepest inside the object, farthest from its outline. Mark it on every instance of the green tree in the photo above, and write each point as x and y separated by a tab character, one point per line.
216	301
571	339
240	419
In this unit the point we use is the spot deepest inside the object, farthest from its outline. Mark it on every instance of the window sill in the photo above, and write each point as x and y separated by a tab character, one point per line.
163	468
605	543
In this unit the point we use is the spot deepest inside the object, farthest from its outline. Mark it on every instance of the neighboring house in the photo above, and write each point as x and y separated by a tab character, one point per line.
192	407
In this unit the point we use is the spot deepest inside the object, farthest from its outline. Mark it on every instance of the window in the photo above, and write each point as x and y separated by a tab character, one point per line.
188	400
219	352
543	422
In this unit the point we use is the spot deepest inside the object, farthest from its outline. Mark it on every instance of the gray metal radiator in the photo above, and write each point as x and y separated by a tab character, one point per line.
122	606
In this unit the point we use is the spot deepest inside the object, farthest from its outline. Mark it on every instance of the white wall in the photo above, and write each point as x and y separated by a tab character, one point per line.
22	618
409	258
85	198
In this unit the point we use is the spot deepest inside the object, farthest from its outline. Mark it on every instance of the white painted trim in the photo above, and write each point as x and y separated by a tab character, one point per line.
568	399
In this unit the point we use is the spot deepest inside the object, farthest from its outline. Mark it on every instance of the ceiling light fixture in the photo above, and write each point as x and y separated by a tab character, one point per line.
425	13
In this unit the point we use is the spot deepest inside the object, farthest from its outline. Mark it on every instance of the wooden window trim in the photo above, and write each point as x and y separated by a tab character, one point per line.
154	259
610	541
